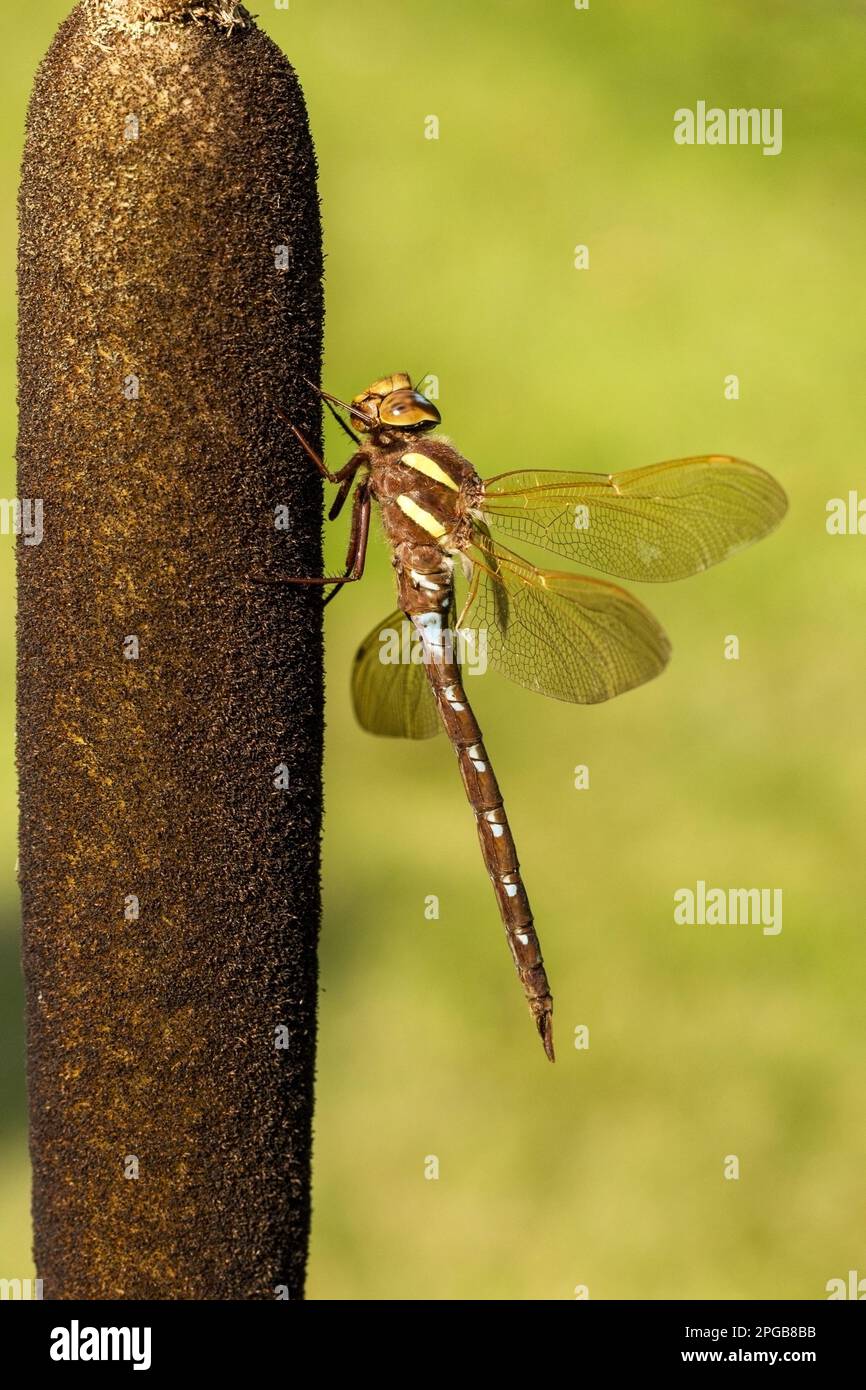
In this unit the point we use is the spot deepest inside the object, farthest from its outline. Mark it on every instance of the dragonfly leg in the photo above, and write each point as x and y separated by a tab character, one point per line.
347	477
356	555
347	471
308	448
355	558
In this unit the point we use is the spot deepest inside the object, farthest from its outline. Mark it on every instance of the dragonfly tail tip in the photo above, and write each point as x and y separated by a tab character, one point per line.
545	1029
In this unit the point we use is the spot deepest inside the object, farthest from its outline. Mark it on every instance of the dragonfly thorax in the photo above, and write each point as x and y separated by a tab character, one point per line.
393	404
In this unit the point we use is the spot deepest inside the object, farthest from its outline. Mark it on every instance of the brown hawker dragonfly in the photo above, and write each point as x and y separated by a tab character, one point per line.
563	634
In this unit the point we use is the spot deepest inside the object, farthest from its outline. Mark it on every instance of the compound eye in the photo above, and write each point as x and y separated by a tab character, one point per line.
407	408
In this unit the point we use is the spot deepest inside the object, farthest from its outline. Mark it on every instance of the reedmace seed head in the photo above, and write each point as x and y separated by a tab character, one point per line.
171	986
136	17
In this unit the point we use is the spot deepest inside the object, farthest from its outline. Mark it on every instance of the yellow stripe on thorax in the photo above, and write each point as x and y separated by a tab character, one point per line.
421	518
430	468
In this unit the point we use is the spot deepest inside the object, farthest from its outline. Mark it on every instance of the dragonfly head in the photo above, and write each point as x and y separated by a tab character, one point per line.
395	404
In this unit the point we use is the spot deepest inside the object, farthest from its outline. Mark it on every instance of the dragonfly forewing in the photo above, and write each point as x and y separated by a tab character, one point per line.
664	522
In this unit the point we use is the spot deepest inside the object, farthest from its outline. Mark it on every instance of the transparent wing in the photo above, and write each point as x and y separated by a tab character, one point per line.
663	522
391	695
564	635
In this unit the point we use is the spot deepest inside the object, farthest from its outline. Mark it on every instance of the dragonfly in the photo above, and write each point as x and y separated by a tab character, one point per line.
561	633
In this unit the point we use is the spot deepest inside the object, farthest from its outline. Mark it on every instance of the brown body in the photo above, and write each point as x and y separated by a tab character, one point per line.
563	634
424	564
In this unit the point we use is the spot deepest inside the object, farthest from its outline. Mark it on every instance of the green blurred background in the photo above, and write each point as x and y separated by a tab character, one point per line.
455	256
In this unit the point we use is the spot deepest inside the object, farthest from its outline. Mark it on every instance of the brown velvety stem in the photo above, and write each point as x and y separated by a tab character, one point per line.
170	707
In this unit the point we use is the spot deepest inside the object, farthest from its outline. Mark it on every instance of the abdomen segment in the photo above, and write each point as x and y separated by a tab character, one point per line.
494	832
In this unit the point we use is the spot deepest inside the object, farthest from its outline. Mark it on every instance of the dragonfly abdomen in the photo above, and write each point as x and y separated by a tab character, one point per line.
494	832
